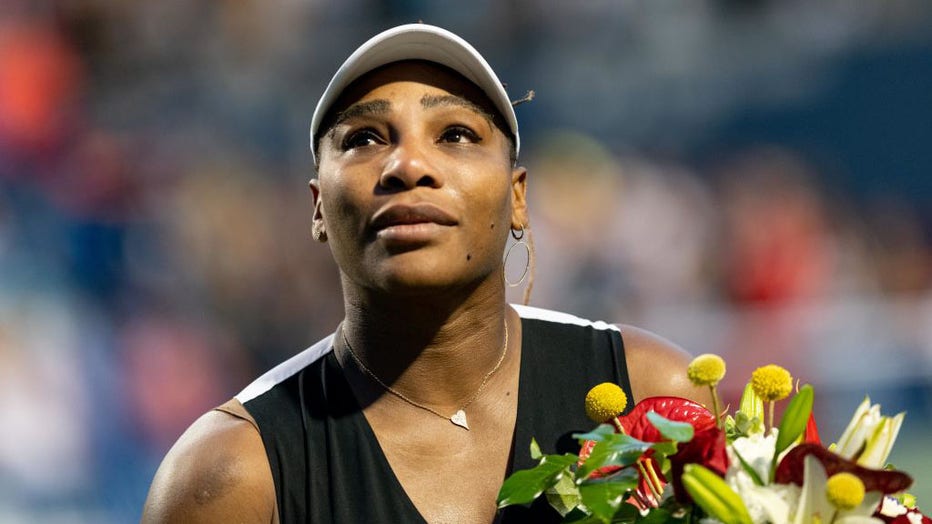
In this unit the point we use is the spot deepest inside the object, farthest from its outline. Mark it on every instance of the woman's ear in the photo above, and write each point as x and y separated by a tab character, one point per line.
519	215
318	229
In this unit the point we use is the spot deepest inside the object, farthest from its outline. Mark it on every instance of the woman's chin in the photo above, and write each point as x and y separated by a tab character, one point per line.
426	280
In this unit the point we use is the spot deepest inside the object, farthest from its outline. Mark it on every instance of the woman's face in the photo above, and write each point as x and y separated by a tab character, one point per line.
416	190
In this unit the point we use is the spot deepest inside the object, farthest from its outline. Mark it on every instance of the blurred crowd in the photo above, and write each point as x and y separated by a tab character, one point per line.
155	250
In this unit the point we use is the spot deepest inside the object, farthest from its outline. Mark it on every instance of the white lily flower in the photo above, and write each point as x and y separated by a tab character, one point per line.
812	499
869	437
865	419
757	450
880	444
814	505
770	503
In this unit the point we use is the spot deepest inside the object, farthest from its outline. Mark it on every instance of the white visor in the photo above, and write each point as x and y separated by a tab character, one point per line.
417	42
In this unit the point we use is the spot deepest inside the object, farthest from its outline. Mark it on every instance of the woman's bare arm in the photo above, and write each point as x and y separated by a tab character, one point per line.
657	367
216	472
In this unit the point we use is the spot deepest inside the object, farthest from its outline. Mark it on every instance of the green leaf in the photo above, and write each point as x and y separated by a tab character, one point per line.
535	450
794	419
526	485
662	452
658	516
564	495
578	516
671	512
626	514
622	481
616	450
627	477
678	431
602	498
664	448
604	431
663	463
748	469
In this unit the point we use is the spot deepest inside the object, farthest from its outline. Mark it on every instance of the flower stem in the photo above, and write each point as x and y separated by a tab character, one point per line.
618	426
715	408
770	406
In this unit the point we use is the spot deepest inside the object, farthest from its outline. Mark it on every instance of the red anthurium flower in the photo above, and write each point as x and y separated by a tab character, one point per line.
790	470
679	409
707	446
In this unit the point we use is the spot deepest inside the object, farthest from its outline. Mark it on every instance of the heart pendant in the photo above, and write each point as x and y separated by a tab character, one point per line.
459	418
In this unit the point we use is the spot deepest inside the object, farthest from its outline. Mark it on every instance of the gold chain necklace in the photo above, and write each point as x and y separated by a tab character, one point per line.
458	418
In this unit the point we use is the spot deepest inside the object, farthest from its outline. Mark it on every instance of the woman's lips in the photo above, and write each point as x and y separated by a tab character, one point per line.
410	224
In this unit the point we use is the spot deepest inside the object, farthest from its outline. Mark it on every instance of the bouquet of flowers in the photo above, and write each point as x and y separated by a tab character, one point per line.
671	460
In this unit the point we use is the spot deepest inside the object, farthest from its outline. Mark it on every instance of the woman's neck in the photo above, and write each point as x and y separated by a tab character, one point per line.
434	350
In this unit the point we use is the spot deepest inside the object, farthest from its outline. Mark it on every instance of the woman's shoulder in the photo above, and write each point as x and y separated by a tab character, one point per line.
657	366
217	471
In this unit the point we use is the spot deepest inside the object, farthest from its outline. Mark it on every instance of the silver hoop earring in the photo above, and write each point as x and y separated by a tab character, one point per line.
527	263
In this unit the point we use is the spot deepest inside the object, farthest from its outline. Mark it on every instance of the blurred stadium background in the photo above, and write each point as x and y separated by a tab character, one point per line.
751	178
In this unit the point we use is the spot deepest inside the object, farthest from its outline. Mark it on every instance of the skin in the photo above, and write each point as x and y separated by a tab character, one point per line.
425	306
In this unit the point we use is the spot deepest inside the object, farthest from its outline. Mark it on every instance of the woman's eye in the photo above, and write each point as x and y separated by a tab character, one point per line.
459	135
361	138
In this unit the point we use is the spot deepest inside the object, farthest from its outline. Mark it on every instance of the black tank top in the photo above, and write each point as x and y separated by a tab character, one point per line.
328	466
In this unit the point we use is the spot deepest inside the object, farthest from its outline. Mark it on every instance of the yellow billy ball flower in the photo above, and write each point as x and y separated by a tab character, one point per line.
844	491
605	401
706	370
771	382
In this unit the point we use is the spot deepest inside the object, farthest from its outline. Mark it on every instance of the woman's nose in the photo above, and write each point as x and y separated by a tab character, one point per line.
409	166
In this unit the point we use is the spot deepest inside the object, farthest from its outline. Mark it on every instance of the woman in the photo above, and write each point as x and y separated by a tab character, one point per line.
431	389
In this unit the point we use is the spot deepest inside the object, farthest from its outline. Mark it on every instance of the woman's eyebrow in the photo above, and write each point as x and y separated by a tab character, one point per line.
429	101
361	109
